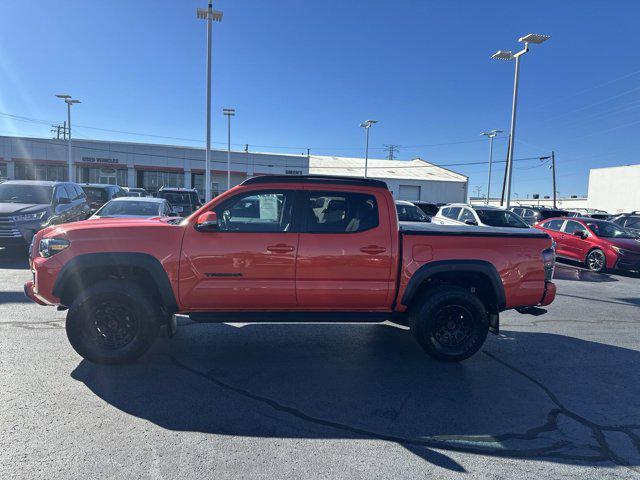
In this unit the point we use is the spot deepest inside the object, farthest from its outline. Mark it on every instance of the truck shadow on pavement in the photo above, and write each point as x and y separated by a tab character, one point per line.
526	395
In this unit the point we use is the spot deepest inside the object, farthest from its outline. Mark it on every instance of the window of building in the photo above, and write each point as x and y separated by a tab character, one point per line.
3	171
29	171
340	212
197	182
110	176
151	181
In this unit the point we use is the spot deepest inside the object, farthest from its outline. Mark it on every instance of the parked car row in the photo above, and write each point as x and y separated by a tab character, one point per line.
27	206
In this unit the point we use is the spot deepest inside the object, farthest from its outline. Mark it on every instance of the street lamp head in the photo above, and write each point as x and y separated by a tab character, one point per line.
368	123
536	38
68	100
229	111
203	14
61	95
503	55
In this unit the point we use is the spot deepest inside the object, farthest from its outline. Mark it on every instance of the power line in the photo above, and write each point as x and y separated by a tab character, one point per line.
177	157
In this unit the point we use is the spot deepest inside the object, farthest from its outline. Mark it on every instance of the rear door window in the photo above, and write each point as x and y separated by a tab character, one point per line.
572	226
517	211
340	212
465	215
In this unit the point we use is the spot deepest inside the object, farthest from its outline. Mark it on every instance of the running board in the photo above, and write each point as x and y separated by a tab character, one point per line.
291	317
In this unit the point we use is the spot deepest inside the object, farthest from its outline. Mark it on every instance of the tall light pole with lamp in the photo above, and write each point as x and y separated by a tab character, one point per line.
367	125
229	112
69	101
534	38
208	14
490	135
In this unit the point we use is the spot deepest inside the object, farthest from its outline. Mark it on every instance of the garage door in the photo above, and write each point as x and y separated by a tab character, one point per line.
409	192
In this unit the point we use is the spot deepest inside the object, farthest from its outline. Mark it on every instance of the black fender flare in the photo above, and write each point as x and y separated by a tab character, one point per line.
460	266
143	261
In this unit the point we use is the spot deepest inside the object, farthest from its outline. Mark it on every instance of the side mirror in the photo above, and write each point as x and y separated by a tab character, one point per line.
471	222
581	234
64	201
207	222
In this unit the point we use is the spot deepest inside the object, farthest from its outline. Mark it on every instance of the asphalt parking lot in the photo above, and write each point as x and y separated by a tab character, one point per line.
553	396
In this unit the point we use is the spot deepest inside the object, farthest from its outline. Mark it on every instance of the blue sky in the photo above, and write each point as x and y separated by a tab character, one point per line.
304	74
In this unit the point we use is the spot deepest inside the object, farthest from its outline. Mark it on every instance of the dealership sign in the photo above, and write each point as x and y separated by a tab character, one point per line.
99	160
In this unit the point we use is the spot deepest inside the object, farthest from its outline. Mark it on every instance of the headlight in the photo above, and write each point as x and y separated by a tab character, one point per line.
28	217
51	246
621	251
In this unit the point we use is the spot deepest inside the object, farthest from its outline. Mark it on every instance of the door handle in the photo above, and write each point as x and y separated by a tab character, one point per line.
373	249
280	248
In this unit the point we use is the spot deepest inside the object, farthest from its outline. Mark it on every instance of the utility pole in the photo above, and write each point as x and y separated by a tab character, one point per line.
553	173
478	190
391	150
69	101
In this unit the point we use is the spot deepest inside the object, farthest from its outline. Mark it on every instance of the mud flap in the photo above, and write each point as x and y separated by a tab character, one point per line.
494	323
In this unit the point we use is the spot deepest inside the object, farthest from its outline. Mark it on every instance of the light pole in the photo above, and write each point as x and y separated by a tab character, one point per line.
208	14
229	112
508	55
553	174
490	135
69	101
366	125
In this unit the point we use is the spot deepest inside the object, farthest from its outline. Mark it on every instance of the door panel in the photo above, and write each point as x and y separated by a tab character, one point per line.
341	265
575	247
246	265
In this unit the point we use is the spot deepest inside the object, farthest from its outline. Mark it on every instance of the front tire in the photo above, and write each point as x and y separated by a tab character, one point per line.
112	322
596	261
450	323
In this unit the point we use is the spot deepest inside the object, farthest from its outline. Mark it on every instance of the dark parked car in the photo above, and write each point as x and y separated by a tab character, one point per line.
430	209
184	201
98	194
409	212
26	206
534	214
589	213
630	221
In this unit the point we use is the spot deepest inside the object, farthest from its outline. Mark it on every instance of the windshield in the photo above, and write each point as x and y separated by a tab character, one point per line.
411	213
500	218
12	193
126	208
609	230
95	195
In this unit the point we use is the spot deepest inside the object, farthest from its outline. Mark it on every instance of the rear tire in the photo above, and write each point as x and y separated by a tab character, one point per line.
596	261
113	322
450	323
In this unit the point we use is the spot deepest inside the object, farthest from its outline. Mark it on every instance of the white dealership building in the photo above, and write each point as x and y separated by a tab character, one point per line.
151	166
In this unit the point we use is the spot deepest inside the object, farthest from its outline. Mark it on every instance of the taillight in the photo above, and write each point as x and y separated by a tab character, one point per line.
549	261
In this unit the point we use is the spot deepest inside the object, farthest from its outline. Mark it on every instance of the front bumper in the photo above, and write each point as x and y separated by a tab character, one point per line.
29	292
630	263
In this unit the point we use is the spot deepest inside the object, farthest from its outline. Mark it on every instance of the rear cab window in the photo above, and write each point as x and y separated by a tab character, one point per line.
339	212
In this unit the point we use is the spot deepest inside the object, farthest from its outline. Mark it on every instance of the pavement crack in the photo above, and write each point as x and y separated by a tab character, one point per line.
475	444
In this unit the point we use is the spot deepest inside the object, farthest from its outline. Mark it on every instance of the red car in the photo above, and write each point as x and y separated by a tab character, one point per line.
287	248
599	244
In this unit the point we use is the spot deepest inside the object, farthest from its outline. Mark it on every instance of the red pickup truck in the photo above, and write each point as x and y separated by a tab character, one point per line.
288	249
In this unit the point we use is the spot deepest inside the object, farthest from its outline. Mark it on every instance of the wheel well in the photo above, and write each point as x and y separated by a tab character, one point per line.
476	282
591	250
88	276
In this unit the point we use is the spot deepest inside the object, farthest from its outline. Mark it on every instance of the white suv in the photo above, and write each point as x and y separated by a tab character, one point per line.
480	215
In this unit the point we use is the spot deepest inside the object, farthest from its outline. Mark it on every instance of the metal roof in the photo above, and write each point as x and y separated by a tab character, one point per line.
416	169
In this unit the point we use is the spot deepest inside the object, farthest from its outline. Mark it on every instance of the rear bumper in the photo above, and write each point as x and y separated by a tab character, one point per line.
549	293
